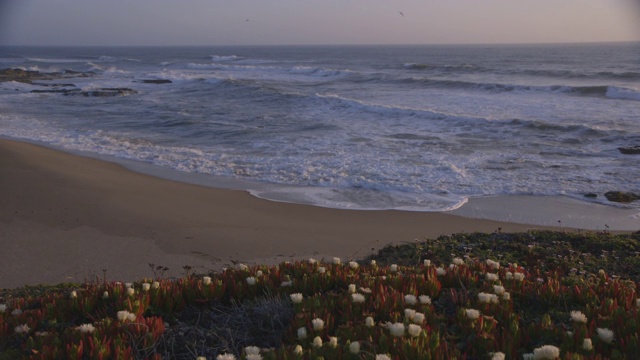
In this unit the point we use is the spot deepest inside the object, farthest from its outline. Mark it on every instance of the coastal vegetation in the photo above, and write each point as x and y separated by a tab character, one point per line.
534	295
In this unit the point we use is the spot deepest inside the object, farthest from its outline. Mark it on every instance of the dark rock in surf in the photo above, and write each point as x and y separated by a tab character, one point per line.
621	196
591	195
156	81
630	150
102	92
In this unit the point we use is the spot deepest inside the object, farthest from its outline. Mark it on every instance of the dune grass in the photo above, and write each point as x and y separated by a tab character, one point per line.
465	296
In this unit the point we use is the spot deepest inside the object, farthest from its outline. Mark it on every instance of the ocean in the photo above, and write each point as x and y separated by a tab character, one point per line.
422	128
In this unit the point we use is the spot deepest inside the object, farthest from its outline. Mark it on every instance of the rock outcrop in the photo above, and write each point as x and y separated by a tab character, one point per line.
621	196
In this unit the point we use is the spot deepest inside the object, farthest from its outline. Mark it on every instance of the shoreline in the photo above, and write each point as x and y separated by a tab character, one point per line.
66	218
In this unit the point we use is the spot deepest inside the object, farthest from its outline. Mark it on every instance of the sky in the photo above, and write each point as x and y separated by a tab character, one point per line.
289	22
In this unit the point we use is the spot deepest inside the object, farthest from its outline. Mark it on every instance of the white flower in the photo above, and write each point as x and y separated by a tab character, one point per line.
497	356
353	264
318	324
506	296
518	276
414	330
487	298
365	290
472	313
396	329
302	333
312	261
128	285
458	261
492	277
441	271
540	280
242	267
409	314
410	299
424	299
605	335
155	285
527	356
357	298
587	344
296	298
22	329
354	347
317	342
427	262
418	318
259	273
284	283
369	322
337	261
579	317
498	289
393	267
201	358
352	288
508	275
297	350
546	352
73	294
16	312
382	357
252	350
105	295
86	328
333	342
322	269
3	308
131	291
226	357
251	280
131	317
493	264
253	357
146	286
122	315
373	263
206	280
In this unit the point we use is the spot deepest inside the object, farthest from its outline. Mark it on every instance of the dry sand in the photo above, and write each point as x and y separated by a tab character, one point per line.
67	218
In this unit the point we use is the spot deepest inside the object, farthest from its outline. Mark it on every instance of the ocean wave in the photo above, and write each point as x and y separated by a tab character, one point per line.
225	57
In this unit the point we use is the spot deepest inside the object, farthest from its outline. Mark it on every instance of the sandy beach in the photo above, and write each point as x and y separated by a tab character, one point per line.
67	218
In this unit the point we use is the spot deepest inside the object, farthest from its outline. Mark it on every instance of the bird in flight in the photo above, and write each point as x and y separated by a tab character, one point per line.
400	12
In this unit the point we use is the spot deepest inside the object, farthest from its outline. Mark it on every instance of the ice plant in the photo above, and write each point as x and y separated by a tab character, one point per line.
393	267
353	265
498	356
487	298
318	324
22	329
251	280
226	357
336	261
472	313
317	342
424	299
606	335
441	271
354	347
253	357
86	328
357	298
206	280
492	277
587	344
493	264
333	342
458	261
352	288
578	317
414	330
302	333
369	322
499	290
396	329
410	299
518	276
252	350
418	318
146	287
409	314
546	352
296	298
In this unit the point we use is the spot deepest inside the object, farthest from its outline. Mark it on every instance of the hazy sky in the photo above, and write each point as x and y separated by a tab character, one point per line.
224	22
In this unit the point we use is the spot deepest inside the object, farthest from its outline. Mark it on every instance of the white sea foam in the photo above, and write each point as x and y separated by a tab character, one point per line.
616	92
225	57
